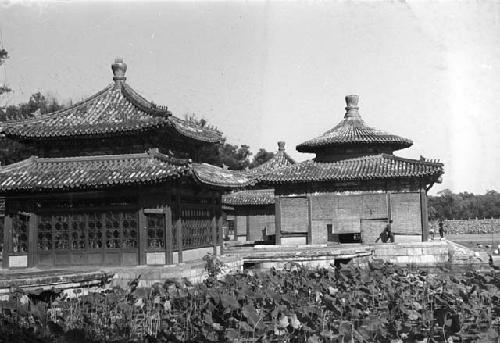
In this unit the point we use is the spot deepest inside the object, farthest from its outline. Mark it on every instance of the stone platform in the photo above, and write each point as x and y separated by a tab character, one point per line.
267	256
34	279
419	254
430	254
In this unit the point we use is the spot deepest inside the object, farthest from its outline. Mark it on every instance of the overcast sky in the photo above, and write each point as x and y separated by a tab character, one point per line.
263	72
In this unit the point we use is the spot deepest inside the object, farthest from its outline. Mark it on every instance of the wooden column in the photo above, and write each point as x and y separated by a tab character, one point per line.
309	217
221	229
235	224
277	219
247	221
214	226
389	214
143	235
178	225
7	232
32	240
169	244
424	215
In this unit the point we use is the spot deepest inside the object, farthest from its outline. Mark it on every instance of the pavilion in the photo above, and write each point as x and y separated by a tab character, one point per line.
353	187
115	180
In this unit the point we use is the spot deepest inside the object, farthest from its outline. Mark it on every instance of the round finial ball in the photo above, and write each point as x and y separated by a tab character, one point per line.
119	69
352	100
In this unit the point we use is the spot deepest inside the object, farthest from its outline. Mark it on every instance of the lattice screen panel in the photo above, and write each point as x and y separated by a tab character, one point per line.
61	232
112	230
95	224
45	233
196	228
20	234
78	231
130	228
156	231
95	230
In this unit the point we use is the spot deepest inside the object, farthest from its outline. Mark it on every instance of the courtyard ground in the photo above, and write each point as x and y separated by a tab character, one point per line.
472	241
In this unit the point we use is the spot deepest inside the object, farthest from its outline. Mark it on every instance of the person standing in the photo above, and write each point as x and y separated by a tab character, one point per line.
388	227
441	229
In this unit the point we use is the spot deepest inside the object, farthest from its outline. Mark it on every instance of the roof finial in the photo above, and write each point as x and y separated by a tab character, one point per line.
281	146
352	106
119	69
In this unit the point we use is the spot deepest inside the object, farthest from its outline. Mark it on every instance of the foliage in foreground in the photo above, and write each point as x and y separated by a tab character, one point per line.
294	305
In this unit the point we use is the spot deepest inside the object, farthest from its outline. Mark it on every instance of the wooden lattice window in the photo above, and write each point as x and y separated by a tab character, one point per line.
45	233
20	234
130	228
156	231
61	232
112	229
196	228
78	229
94	224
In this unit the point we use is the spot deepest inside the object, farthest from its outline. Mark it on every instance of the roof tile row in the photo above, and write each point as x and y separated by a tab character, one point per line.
382	166
71	173
249	197
115	109
353	130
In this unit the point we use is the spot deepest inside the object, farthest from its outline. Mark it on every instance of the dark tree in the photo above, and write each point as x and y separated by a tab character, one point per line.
232	156
464	205
261	157
38	104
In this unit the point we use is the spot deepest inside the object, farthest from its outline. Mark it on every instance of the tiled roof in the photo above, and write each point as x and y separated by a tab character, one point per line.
249	197
115	109
279	160
353	130
383	166
216	176
72	173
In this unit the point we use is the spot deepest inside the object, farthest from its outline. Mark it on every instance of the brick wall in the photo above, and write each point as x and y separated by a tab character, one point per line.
294	215
319	234
255	222
346	213
261	223
405	213
241	224
365	213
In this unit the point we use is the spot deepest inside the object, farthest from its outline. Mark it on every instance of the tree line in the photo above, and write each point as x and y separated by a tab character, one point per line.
464	205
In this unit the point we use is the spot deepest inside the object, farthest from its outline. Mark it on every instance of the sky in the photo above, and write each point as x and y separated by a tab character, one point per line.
268	71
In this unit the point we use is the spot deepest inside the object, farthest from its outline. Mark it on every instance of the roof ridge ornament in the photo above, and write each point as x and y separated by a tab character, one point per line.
119	69
352	108
281	146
